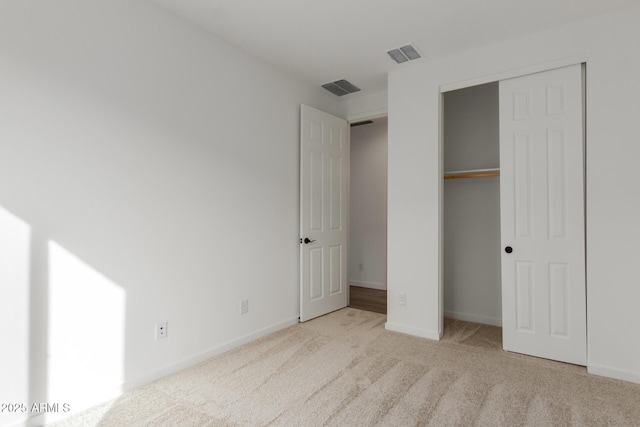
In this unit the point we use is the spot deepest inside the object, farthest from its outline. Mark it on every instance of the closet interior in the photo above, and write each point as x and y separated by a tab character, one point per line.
471	239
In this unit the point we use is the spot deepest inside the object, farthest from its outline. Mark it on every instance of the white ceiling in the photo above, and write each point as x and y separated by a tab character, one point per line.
327	40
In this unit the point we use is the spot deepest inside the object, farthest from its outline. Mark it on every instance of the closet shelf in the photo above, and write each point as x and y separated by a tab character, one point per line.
474	173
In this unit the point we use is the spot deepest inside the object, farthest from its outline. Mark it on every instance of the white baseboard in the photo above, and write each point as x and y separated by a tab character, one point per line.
370	285
410	330
41	419
208	354
618	374
473	318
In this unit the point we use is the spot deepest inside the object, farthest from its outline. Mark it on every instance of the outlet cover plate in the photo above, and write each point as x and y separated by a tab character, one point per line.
161	330
402	298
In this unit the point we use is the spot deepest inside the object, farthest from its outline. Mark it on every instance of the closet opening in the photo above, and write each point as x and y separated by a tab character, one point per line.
367	249
472	298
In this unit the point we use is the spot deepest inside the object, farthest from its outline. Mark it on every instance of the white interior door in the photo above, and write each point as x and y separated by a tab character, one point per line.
542	215
324	196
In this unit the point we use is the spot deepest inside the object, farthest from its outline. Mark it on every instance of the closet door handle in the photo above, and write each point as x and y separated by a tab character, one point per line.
508	249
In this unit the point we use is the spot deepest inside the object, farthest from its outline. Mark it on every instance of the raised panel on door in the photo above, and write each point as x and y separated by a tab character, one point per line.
336	284
316	178
523	188
542	215
559	299
524	296
336	186
316	274
557	183
324	159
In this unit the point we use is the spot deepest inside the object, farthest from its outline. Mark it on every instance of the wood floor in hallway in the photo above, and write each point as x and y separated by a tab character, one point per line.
368	299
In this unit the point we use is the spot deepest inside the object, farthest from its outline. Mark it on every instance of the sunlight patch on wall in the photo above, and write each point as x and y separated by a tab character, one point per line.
15	246
86	332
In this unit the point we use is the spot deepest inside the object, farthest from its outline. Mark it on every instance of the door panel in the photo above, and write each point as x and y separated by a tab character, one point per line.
336	283
315	274
335	196
324	185
524	296
542	215
558	301
523	188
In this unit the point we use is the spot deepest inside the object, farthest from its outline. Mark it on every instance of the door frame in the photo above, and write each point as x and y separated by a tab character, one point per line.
508	74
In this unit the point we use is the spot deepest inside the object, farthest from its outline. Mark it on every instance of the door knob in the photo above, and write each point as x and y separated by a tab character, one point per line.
307	241
508	249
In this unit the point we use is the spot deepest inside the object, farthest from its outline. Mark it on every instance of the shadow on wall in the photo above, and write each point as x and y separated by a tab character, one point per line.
79	311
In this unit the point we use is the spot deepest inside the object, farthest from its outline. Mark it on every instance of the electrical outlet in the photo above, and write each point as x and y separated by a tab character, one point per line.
244	306
161	330
402	298
361	266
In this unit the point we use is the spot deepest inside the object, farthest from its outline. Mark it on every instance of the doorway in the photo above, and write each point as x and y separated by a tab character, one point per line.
367	249
471	205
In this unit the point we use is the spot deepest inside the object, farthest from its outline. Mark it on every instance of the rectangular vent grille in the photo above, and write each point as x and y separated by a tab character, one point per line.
341	87
366	122
404	54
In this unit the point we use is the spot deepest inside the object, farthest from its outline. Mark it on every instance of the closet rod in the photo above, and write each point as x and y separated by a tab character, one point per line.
477	173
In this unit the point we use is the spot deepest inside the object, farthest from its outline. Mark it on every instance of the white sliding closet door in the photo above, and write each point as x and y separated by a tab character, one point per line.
542	215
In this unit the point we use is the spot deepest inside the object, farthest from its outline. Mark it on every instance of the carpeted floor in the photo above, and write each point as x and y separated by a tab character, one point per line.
344	369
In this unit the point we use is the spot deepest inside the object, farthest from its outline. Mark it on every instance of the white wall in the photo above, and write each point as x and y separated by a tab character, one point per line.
609	44
471	221
368	206
155	171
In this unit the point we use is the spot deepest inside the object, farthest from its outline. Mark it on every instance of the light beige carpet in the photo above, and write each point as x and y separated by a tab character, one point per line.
344	369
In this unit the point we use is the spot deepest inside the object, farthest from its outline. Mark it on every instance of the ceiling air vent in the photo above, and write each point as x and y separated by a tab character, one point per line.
404	54
341	87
